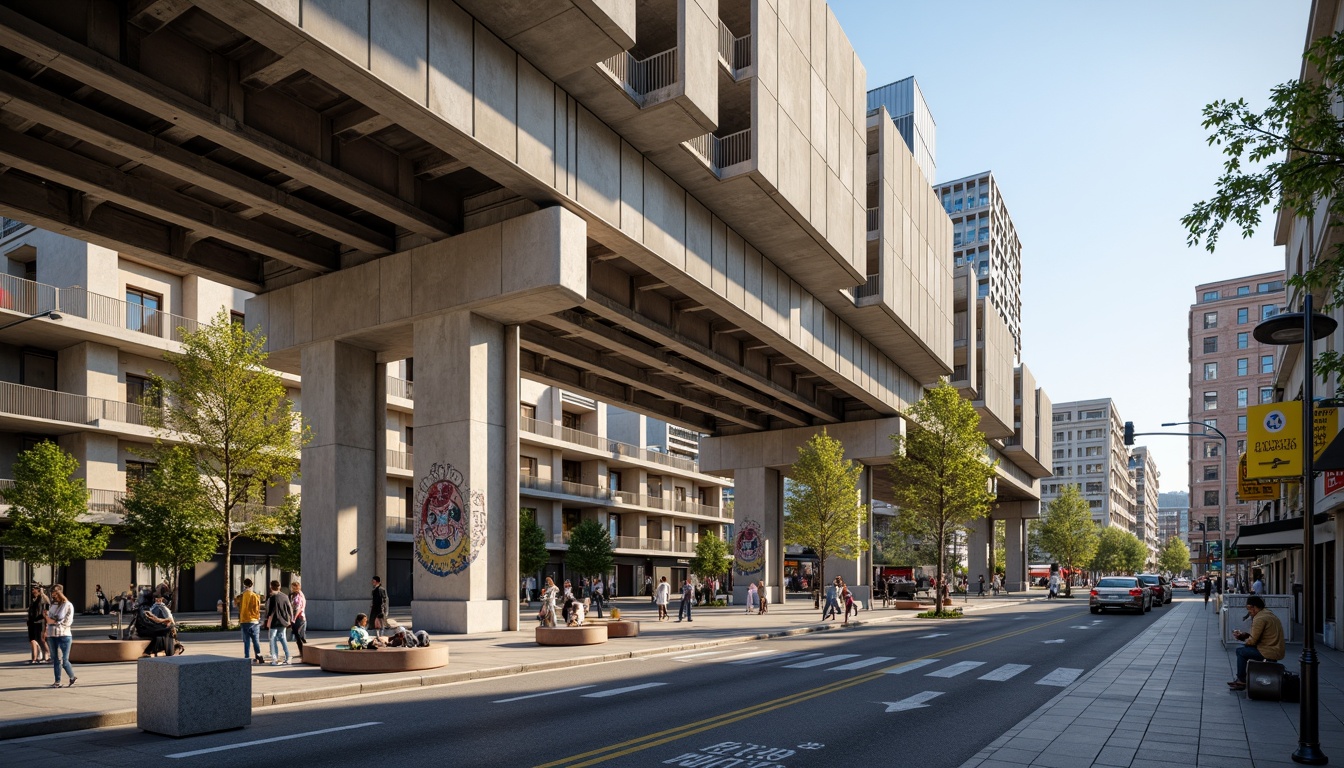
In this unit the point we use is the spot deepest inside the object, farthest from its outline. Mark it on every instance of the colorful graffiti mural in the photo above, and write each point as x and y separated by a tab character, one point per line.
450	522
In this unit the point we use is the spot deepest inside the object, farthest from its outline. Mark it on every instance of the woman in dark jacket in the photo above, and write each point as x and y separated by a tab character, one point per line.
37	625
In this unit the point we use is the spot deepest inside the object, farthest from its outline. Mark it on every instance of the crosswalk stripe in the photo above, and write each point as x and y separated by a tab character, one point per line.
911	666
698	655
861	663
822	660
733	659
619	691
1060	677
776	657
1006	672
956	669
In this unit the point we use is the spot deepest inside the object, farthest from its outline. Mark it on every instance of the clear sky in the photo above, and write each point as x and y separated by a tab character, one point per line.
1088	113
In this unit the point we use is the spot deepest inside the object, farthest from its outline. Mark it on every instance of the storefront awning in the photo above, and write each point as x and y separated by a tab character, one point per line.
1278	535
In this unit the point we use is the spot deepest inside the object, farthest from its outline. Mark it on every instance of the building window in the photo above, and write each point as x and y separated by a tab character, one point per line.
527	411
1210	296
1241	398
1210	450
570	420
1268	310
1211	472
1241	423
1243	316
1210	371
1243	366
141	391
142	310
136	471
527	466
238	319
1241	447
1211	498
1211	401
1210	320
1275	285
1266	395
1243	290
1210	345
410	439
1266	363
1243	340
613	480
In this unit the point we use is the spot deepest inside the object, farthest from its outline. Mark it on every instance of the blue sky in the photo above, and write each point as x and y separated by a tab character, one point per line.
1088	113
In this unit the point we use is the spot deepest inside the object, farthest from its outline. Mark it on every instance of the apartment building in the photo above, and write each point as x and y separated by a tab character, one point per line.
984	240
904	101
1146	478
1229	370
1089	451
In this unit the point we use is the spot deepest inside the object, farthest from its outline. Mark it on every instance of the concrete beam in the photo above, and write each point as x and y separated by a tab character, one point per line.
153	15
865	441
261	70
358	124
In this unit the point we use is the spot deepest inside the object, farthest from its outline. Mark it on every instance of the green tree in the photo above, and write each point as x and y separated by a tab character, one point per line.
1289	156
232	415
165	519
940	472
1067	532
1000	546
532	554
286	532
46	504
1135	554
712	557
1174	557
590	553
1119	551
822	509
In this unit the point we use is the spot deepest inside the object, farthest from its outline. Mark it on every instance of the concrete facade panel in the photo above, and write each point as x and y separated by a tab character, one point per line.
599	168
451	65
632	192
398	50
536	123
343	25
496	94
665	216
700	229
286	9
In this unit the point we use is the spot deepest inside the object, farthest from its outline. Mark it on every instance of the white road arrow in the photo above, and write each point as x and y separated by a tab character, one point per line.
1048	642
1080	626
913	702
935	634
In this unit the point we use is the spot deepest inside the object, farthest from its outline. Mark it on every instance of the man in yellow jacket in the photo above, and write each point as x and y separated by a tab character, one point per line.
1263	643
249	617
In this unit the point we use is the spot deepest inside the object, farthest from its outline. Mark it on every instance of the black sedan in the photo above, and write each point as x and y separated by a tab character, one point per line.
1160	587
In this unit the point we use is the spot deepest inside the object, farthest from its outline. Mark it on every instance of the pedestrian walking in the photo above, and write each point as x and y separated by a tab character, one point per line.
298	604
765	598
687	596
549	593
1258	586
59	618
597	598
279	615
982	585
378	607
847	598
753	597
661	596
567	599
1054	586
648	588
249	616
531	589
1208	591
37	624
832	607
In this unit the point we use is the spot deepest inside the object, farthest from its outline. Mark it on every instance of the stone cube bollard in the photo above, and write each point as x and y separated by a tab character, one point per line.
189	695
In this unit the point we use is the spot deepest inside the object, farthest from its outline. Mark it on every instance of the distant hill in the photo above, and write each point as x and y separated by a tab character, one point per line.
1173	499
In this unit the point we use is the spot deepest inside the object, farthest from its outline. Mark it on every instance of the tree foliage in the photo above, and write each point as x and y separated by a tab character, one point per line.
1119	551
232	415
940	472
46	504
1067	532
163	516
532	554
712	557
822	509
1288	157
590	552
285	530
1174	557
892	546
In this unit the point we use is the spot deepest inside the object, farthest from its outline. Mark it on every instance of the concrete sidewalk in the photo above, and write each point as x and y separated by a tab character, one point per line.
105	693
1162	701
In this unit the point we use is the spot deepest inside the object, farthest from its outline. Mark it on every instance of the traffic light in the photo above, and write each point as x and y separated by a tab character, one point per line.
1129	433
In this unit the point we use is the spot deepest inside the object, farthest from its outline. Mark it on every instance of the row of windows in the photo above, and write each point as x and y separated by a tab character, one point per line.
1211	398
1245	290
1243	315
1243	367
970	201
1211	342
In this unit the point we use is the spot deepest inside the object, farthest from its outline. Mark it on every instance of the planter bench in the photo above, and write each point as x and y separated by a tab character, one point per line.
909	605
363	662
106	651
588	634
619	627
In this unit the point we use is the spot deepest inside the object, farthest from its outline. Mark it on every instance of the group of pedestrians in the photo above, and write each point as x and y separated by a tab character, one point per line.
756	598
837	593
50	619
283	613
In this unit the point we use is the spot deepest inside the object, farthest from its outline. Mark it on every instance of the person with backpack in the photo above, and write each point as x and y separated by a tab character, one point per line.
279	615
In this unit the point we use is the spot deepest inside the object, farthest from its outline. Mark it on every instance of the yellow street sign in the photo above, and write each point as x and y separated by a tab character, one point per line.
1252	490
1274	440
1324	427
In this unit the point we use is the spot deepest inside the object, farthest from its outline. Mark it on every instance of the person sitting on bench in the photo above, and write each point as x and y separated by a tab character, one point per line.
1263	643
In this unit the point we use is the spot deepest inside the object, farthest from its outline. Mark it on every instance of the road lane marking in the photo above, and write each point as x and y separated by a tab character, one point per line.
777	657
861	663
698	655
733	659
272	740
910	666
930	637
823	660
1006	672
1080	626
911	702
1060	677
956	669
619	691
545	693
1050	642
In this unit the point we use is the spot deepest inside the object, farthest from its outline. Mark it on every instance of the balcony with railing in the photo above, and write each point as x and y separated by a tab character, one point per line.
402	388
641	77
565	488
735	52
38	403
725	156
29	297
402	526
874	218
872	287
403	460
614	448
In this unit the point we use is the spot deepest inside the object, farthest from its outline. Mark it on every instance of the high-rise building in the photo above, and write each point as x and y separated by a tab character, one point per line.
1143	471
1229	370
985	241
1173	516
905	102
1089	451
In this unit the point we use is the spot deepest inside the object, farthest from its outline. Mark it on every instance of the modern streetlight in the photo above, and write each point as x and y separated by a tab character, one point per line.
1222	497
1304	328
51	313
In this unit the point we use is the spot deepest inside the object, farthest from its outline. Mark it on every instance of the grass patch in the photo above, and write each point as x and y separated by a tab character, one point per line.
950	613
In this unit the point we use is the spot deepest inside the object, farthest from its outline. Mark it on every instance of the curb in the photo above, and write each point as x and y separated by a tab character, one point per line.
19	729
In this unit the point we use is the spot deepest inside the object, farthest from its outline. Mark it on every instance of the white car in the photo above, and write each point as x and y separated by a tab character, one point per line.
1180	582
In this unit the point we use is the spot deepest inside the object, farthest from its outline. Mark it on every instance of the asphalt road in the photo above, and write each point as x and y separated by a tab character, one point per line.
924	693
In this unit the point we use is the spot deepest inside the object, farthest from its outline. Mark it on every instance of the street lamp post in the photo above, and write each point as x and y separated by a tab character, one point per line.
51	313
1305	328
1222	498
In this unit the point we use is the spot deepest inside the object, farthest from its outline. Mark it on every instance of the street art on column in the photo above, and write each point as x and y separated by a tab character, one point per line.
450	525
749	549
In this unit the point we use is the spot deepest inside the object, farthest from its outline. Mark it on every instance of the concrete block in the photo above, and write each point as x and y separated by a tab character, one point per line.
188	695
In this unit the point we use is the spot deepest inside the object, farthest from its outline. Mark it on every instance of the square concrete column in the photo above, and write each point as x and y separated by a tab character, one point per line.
758	543
979	543
340	482
462	499
1015	554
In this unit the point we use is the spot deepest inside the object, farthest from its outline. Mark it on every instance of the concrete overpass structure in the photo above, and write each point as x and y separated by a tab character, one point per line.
683	208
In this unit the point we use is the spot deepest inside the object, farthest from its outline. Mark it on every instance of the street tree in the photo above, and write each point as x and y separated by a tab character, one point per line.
940	471
712	558
1118	551
532	554
590	552
240	429
1174	558
166	519
1067	532
1135	554
46	504
1289	156
285	530
821	507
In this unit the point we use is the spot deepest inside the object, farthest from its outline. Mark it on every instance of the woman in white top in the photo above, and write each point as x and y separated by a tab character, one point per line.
660	597
60	616
752	601
549	593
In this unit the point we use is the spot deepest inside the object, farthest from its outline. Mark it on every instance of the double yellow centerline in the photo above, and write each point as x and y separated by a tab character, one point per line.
593	757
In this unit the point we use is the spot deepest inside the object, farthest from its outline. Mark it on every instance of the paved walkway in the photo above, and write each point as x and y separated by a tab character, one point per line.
1162	701
105	693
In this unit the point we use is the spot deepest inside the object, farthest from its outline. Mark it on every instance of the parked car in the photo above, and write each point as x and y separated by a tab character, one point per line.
1125	592
1180	582
1159	585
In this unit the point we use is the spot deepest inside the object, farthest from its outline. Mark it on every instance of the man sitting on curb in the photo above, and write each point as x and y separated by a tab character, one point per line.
1263	643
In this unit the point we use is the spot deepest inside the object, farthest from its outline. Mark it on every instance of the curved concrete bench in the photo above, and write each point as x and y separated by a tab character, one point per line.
909	605
313	653
620	627
106	651
383	659
588	634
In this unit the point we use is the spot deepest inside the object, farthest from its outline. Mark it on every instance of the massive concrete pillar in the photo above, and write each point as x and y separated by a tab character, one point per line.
979	545
1015	554
340	482
463	366
758	518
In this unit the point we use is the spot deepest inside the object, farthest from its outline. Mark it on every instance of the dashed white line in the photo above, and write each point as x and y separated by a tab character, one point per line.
240	745
545	693
823	660
698	655
619	691
861	663
776	657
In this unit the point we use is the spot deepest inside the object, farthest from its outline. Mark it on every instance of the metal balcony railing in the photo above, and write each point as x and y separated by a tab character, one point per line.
400	388
734	52
101	500
640	77
874	216
10	226
615	447
721	152
30	297
870	288
401	525
565	487
19	400
400	460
